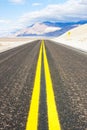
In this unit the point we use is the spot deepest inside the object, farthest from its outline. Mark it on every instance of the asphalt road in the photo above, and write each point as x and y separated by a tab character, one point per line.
69	74
68	69
17	70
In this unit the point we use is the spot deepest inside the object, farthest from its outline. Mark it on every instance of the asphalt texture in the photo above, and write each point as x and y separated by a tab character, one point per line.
68	68
17	72
69	75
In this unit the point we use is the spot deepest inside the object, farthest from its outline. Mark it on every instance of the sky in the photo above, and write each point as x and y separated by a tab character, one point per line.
16	14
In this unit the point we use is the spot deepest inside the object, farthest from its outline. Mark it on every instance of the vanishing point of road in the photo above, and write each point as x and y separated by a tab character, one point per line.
43	86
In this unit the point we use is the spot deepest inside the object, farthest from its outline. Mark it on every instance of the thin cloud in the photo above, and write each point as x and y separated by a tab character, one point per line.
72	10
36	4
4	21
17	1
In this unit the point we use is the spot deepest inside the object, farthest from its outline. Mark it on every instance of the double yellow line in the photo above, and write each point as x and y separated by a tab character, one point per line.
53	119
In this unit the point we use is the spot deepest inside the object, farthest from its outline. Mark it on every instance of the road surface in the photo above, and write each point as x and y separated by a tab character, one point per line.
43	86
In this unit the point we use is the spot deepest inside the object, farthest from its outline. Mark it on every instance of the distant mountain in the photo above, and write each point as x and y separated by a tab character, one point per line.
47	29
36	30
59	32
58	24
82	22
63	24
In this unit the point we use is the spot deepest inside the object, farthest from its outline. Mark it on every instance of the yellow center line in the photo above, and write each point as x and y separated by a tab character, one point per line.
53	118
32	121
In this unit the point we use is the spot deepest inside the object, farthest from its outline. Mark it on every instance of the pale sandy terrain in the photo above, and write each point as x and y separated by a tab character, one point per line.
8	43
76	38
15	39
